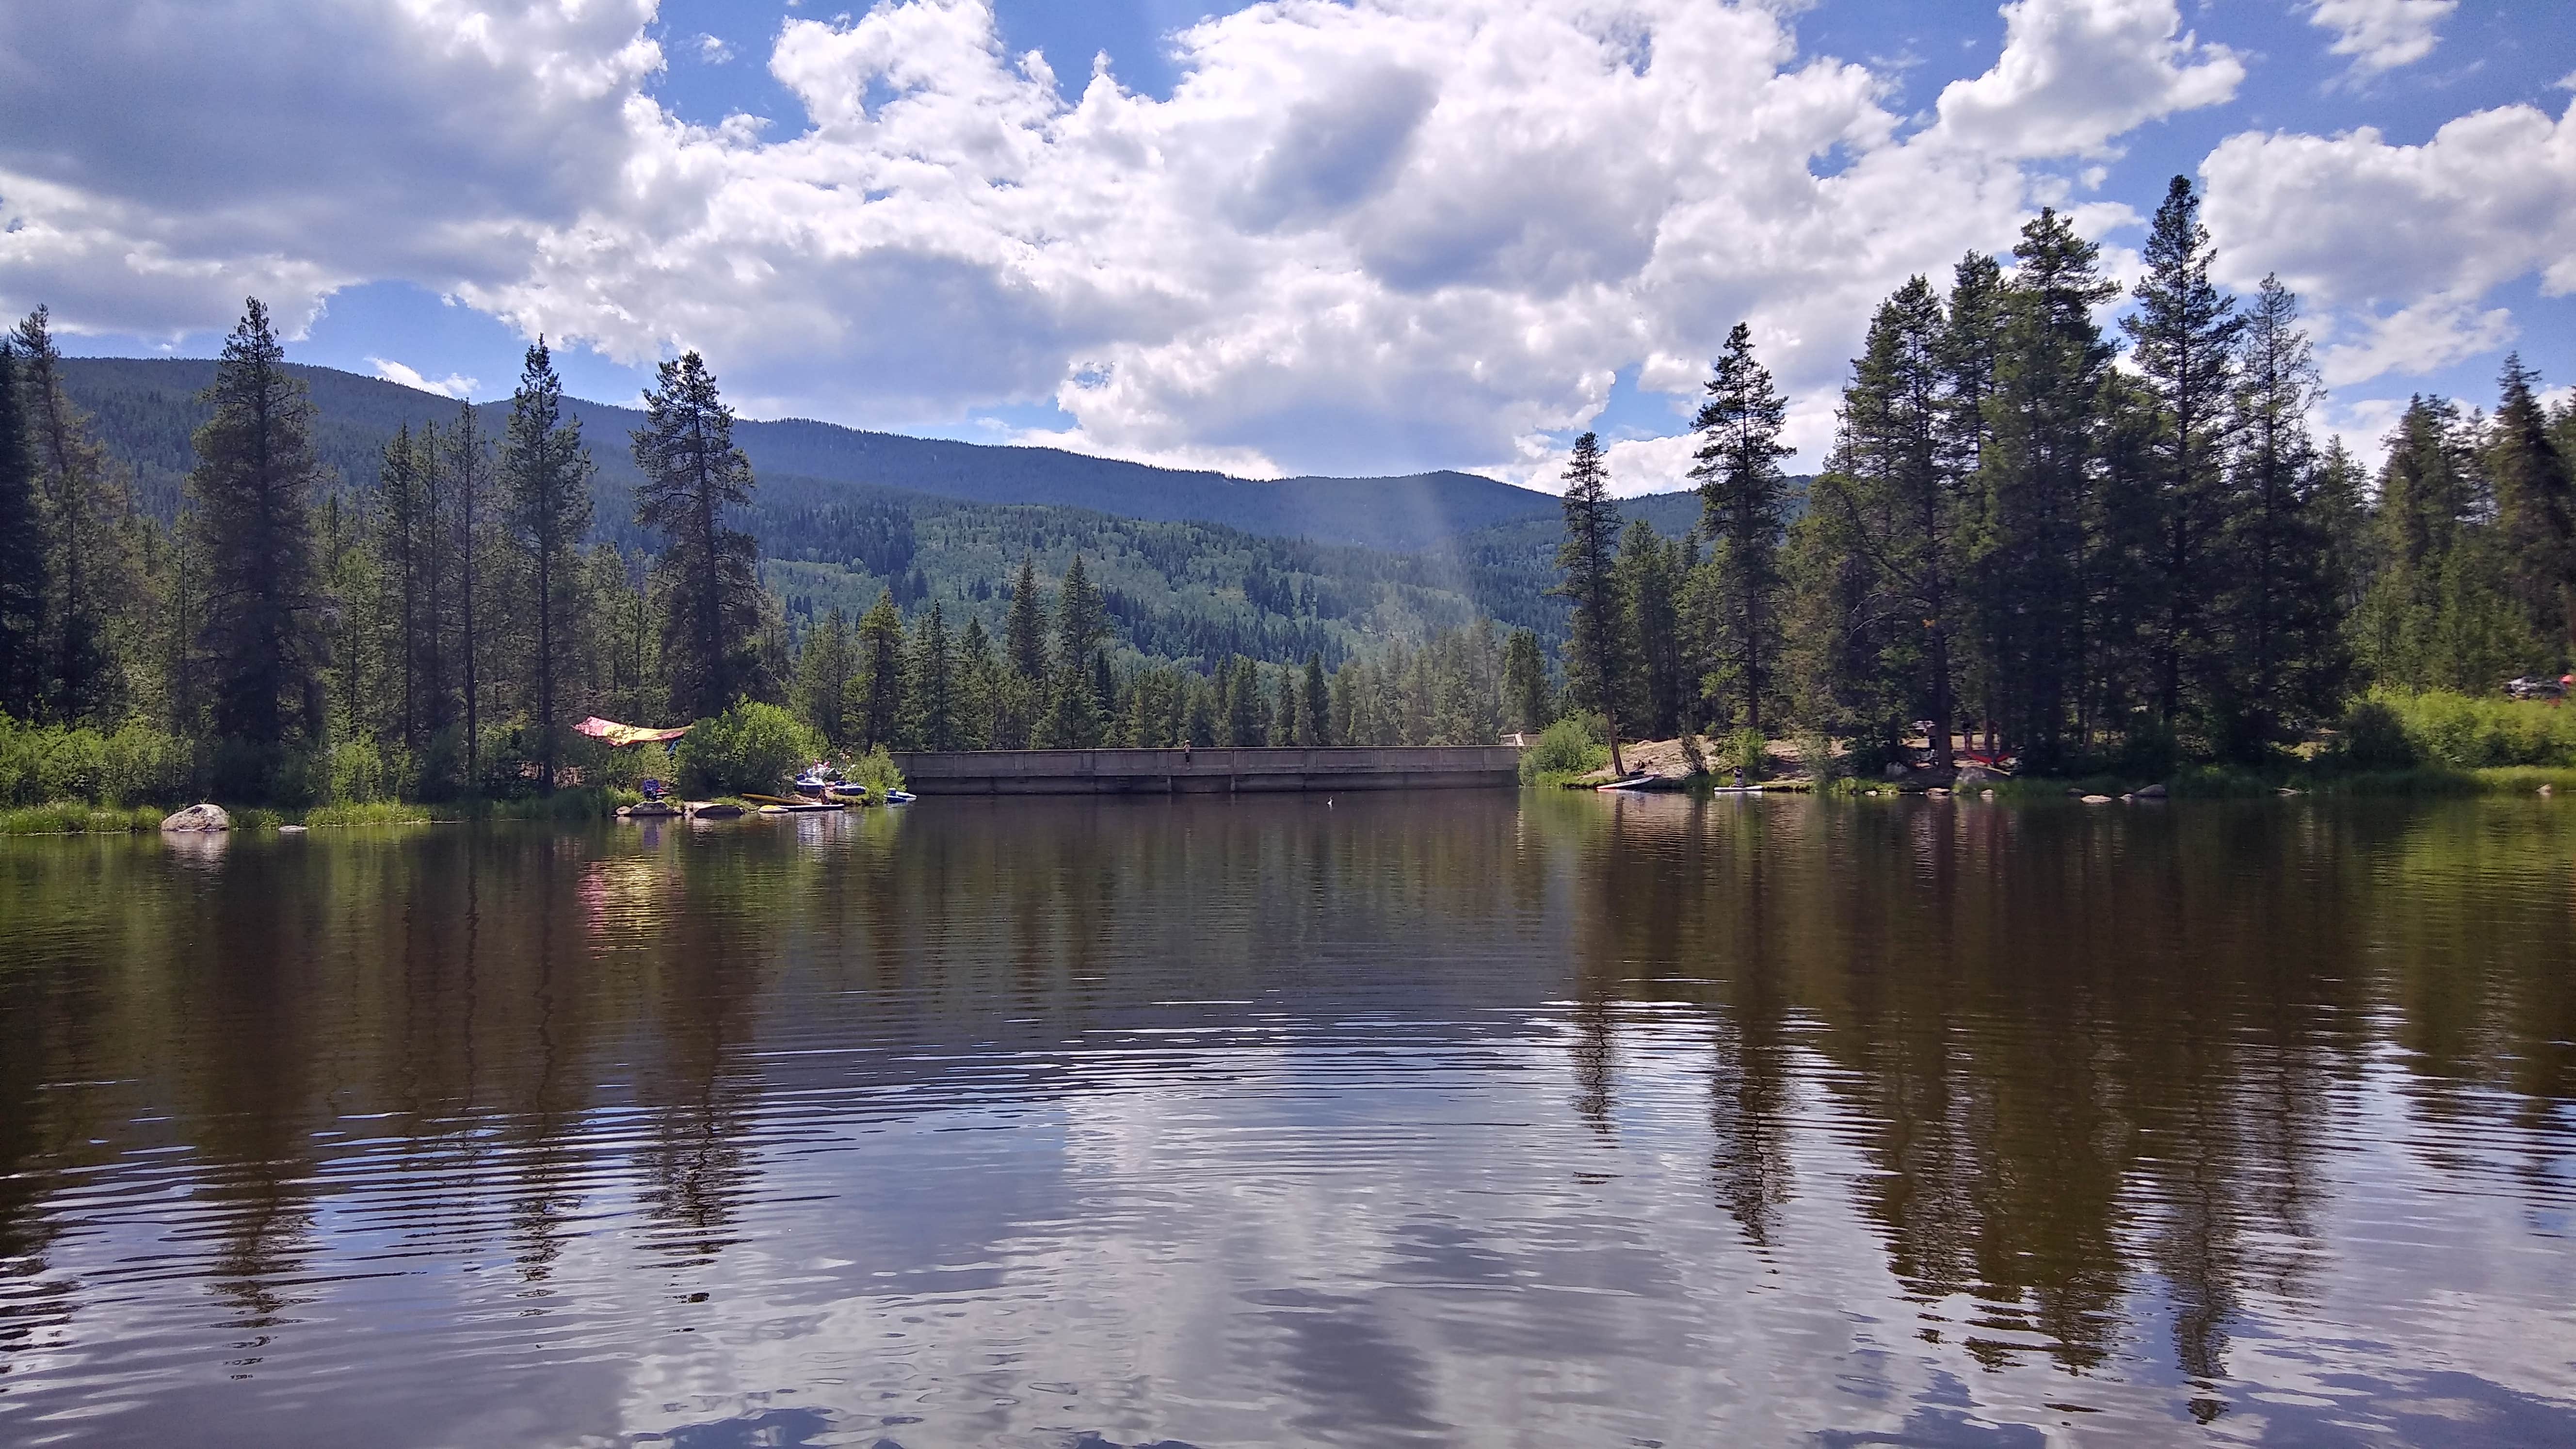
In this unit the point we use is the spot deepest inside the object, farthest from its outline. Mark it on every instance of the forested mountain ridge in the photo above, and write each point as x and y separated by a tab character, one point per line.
1182	584
146	409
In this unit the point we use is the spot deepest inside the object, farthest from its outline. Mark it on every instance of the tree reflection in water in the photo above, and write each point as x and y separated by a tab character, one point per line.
2089	1081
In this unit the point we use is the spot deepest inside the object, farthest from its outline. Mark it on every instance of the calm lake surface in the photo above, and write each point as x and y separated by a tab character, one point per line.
1468	1118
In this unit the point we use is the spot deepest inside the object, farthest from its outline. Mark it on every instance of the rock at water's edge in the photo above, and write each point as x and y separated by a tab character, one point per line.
2155	791
199	817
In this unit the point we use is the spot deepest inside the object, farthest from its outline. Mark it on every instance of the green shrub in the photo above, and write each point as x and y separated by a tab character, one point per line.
875	770
132	765
1571	746
373	812
2373	737
754	747
71	817
1745	750
1816	756
2393	730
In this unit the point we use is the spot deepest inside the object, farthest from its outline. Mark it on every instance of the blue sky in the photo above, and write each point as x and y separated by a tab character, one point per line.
1300	236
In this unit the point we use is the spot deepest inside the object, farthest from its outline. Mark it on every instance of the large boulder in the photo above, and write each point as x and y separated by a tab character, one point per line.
199	817
1896	771
1973	774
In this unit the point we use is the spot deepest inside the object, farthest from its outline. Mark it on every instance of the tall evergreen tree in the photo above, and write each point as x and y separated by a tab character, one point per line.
2034	471
402	499
84	505
2185	332
2535	513
1744	500
1970	351
1318	702
2438	615
2277	611
1651	570
876	694
428	654
977	677
1594	662
694	477
546	471
470	475
934	684
1524	684
23	581
823	670
1287	720
1074	718
1024	632
253	486
1895	500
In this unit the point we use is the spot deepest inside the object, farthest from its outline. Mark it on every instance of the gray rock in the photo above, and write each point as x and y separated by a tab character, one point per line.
1974	775
290	830
199	817
2155	791
2097	799
1894	771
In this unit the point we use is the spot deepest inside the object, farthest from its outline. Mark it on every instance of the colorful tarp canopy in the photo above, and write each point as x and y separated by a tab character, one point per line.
619	736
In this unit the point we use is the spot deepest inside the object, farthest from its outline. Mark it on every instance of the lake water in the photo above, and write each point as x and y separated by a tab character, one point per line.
1467	1118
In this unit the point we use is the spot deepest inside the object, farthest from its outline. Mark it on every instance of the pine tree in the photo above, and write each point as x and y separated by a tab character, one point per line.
1594	664
823	669
401	503
1074	718
977	677
2535	513
876	693
2185	332
934	685
470	474
546	473
1970	351
1525	708
694	477
429	657
1287	719
2034	472
84	505
23	565
2277	588
1893	503
253	486
1744	511
1650	581
1024	632
2438	616
1318	703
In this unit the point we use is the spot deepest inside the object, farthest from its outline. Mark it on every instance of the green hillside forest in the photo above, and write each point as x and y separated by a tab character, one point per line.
291	584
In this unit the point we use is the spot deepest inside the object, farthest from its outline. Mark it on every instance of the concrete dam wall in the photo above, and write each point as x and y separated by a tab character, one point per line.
1205	772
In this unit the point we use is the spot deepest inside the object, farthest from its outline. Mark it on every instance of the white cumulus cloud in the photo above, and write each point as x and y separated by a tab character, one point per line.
2406	240
2382	35
455	385
1375	236
2075	74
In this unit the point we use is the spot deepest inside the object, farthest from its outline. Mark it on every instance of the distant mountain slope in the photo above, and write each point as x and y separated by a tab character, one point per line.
1197	565
147	409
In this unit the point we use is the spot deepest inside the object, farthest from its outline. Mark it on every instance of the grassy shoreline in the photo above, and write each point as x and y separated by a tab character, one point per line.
75	818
